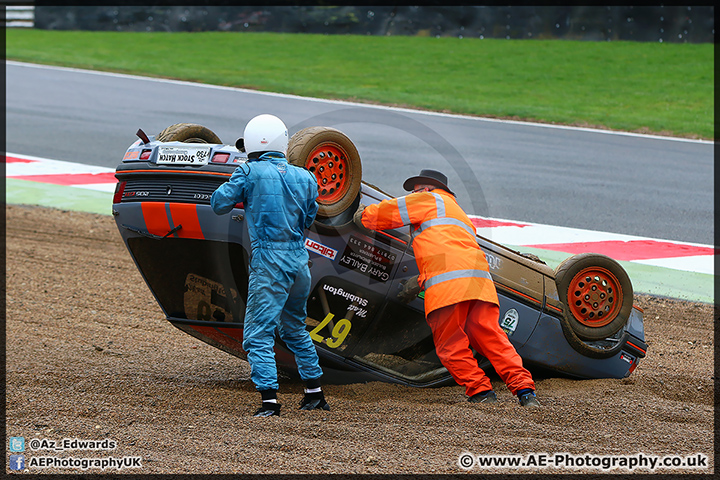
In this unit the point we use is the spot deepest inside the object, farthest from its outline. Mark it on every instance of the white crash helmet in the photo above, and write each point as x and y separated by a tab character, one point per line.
266	133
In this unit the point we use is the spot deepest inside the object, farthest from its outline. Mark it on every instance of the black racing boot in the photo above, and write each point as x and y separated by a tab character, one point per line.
314	398
527	398
314	401
268	407
487	396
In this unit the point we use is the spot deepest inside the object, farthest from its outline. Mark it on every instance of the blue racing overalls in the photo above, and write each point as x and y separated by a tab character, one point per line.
280	203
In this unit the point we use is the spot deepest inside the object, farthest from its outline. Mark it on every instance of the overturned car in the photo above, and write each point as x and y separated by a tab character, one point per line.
578	319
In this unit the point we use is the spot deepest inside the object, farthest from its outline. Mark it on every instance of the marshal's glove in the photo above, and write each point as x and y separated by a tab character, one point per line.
410	290
357	220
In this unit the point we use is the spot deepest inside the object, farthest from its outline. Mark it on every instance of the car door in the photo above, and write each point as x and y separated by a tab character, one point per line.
352	275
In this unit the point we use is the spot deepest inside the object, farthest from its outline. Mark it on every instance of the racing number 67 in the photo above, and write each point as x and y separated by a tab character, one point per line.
339	332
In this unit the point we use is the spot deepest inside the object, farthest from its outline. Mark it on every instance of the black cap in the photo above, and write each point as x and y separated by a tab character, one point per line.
428	177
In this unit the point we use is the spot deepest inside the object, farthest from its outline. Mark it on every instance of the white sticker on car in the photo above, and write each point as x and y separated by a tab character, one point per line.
510	321
185	155
320	249
628	358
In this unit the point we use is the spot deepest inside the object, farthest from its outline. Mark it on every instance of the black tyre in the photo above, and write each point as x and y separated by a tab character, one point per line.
597	294
592	351
188	133
332	157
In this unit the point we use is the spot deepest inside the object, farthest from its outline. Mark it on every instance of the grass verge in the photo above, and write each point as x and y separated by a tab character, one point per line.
657	88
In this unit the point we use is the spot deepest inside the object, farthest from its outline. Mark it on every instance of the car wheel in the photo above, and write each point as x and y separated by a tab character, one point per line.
597	295
188	133
332	157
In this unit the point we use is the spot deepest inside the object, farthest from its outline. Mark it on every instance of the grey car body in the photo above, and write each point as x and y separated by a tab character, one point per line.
195	263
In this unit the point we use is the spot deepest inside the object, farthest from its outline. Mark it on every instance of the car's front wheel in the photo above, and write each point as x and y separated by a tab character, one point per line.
597	294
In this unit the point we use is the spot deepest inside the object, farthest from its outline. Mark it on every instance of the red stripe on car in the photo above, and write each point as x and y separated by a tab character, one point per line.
185	214
156	219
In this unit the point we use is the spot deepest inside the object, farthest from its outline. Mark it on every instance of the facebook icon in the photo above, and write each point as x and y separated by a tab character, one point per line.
17	462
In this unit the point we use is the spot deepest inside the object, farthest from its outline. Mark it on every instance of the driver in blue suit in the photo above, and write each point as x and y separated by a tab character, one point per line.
280	203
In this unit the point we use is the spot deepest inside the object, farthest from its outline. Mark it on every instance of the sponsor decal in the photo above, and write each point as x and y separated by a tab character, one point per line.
368	259
356	301
132	155
183	155
320	249
205	299
627	358
510	321
493	262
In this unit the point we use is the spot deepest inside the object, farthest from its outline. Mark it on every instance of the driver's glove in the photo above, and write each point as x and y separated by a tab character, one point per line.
410	290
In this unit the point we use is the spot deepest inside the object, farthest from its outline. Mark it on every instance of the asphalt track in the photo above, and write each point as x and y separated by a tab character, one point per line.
628	184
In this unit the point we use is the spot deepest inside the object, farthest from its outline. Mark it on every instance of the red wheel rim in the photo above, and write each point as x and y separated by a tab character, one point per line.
595	297
329	163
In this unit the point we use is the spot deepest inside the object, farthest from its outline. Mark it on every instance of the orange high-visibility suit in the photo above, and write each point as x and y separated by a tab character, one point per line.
461	303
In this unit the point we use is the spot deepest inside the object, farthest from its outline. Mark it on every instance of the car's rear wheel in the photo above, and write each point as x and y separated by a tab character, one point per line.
188	133
332	157
597	294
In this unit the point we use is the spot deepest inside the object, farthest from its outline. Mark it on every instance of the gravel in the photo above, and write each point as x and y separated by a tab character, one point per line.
90	356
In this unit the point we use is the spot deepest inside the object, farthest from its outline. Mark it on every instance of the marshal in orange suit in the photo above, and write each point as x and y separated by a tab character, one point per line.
461	303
